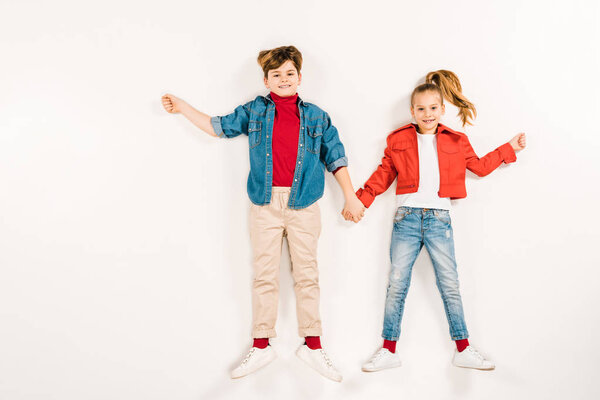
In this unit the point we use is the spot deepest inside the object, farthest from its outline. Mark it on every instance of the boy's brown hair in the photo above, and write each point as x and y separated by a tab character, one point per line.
274	58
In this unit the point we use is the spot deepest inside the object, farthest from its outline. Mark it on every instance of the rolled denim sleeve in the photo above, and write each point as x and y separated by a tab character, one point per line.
232	125
332	149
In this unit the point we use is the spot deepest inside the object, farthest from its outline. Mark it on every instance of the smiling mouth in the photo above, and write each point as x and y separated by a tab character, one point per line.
428	121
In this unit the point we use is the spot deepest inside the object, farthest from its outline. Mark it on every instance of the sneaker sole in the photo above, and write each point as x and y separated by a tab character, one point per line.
267	362
381	369
300	355
480	369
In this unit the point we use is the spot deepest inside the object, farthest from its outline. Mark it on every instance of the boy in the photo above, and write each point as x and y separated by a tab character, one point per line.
291	143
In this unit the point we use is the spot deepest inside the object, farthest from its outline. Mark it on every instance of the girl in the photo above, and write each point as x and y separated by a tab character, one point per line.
429	161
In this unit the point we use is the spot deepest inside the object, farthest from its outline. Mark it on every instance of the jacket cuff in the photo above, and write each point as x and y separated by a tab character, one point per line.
365	197
216	124
340	162
507	153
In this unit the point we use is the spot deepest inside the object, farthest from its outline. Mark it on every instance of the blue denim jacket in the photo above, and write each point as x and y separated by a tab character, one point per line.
319	146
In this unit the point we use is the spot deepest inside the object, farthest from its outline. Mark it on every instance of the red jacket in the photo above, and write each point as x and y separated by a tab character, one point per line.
455	154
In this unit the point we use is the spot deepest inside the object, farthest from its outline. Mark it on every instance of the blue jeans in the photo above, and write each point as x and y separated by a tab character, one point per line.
413	228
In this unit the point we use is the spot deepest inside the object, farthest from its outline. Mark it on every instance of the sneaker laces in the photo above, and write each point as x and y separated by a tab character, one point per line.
326	358
247	358
377	355
476	353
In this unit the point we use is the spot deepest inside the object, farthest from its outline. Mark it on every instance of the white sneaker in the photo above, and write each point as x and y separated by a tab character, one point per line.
382	359
318	360
470	358
254	360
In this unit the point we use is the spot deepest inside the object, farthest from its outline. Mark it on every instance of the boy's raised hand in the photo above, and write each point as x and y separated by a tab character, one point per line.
518	142
172	104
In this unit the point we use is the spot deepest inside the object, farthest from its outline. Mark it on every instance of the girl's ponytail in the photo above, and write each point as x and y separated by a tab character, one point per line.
447	85
451	89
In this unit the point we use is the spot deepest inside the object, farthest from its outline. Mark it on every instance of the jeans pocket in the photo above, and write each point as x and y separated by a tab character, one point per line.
401	213
443	216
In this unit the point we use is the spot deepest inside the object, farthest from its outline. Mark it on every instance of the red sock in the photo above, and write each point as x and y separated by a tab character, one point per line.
461	344
390	345
313	342
261	343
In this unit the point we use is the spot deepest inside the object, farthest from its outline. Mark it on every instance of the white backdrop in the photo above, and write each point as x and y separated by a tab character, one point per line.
124	250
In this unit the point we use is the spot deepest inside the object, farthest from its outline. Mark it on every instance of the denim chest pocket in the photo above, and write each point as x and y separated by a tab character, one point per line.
313	139
254	128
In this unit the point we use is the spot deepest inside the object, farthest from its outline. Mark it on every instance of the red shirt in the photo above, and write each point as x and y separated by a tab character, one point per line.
455	155
286	133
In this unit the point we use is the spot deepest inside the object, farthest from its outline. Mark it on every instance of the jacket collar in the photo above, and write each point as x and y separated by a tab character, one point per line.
445	129
441	129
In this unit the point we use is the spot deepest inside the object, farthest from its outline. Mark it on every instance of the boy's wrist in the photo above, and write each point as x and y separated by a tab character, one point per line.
184	107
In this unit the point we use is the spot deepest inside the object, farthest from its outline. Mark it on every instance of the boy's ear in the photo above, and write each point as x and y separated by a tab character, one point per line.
266	85
412	111
299	78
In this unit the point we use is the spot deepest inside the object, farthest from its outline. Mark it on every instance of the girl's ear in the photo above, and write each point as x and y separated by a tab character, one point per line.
443	109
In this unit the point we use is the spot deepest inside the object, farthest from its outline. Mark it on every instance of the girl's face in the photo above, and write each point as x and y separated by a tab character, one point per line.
427	110
283	81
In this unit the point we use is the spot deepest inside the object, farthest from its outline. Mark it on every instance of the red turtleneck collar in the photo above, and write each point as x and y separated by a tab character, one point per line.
284	100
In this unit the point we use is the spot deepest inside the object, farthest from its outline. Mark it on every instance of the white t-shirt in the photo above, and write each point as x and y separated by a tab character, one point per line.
429	178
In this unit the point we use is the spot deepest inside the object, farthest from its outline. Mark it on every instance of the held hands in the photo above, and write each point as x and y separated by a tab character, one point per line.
353	210
172	104
519	142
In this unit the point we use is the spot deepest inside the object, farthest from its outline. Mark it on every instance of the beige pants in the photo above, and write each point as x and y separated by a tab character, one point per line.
268	225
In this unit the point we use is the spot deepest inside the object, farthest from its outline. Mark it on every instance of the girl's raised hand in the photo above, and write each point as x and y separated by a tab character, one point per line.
518	142
172	104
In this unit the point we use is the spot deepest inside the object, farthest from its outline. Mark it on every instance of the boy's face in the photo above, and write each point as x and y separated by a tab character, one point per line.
427	110
283	81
